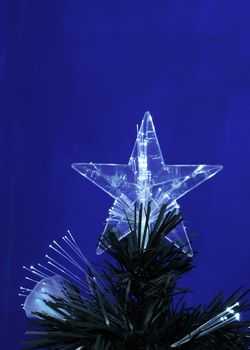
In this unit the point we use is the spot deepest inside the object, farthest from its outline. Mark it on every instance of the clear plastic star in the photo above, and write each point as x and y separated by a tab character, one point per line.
146	178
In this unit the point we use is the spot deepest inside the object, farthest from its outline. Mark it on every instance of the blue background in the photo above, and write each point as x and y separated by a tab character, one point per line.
76	77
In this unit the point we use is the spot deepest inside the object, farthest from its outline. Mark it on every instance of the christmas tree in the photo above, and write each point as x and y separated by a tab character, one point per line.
134	300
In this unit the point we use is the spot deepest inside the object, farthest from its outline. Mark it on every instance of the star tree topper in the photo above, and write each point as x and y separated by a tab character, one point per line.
146	178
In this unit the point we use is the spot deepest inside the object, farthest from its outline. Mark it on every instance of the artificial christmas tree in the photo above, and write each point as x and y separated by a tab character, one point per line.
135	300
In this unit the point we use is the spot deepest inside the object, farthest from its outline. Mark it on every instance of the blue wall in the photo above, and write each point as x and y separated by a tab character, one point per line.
76	77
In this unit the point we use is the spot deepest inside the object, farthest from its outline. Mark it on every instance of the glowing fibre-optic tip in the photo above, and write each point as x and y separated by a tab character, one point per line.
237	316
223	318
233	306
230	310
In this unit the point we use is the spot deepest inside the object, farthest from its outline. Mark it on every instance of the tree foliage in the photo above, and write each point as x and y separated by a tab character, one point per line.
136	302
